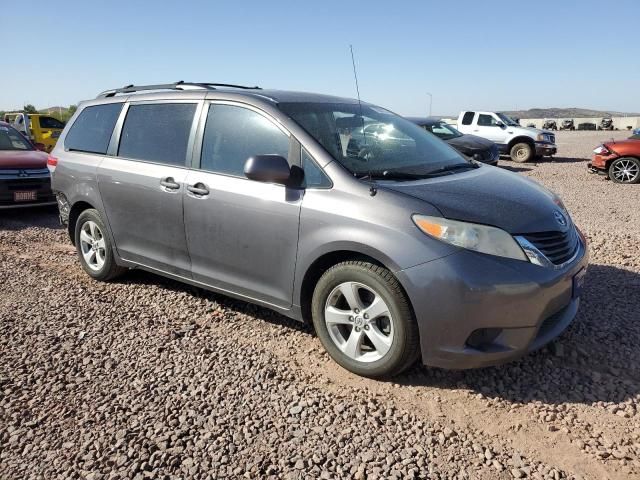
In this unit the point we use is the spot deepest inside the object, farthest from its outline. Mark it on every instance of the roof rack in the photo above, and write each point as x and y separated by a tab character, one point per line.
181	85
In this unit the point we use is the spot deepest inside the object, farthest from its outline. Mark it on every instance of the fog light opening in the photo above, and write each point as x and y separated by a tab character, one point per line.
483	338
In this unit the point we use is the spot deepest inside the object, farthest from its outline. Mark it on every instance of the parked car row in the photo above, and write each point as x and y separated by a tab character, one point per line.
371	226
42	130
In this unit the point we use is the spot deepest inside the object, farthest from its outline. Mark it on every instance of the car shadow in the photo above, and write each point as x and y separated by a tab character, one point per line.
514	169
562	160
22	218
597	359
240	307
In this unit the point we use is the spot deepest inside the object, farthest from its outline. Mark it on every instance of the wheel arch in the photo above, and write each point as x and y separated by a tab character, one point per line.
326	260
77	208
521	139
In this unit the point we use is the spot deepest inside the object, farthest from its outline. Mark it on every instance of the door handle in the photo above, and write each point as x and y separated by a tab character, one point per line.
169	183
198	189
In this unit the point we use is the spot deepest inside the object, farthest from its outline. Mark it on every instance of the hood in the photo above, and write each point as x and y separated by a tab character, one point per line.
22	159
624	147
470	143
487	195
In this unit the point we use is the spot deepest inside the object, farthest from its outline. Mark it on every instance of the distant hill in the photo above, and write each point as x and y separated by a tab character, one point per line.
565	113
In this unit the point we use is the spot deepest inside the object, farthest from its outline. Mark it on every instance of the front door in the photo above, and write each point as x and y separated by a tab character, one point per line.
487	127
242	234
142	188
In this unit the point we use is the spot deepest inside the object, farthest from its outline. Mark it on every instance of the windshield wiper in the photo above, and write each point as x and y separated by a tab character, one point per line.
389	175
451	168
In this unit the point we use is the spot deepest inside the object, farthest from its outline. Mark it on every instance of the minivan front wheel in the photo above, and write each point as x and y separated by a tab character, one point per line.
364	320
94	247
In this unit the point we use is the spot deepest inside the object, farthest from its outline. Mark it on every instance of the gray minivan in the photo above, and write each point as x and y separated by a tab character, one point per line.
322	208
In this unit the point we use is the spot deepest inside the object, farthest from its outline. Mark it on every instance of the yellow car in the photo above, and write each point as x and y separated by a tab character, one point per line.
43	130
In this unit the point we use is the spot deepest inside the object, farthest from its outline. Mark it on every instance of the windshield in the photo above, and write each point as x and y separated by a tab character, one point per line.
507	120
11	139
442	130
367	139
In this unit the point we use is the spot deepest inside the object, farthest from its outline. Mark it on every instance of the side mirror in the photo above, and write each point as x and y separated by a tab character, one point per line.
501	125
40	146
268	169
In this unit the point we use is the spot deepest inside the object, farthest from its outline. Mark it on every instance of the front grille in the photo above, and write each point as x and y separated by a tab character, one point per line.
23	173
558	247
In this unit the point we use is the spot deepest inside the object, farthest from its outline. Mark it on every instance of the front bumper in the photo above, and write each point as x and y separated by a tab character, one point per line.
600	163
37	181
544	149
524	306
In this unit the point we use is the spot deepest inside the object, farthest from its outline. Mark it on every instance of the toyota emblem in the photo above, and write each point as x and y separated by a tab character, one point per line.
560	218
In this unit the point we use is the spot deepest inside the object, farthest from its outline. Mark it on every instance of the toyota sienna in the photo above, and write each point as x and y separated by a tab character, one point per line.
394	245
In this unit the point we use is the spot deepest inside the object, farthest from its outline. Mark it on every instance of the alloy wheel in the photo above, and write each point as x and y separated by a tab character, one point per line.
625	171
92	245
359	322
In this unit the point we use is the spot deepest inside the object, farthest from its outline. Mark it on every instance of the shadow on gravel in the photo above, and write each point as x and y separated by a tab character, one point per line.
141	277
596	360
514	169
563	160
22	218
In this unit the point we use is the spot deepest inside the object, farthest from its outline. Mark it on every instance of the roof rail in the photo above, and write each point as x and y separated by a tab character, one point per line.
181	85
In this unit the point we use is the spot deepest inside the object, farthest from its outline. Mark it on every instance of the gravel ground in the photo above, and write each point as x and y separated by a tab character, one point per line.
147	378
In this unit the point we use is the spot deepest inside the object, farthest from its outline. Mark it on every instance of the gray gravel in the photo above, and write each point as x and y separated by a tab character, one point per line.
147	378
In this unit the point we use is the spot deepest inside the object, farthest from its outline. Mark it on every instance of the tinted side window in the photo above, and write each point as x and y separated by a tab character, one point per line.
468	118
92	129
233	134
314	177
486	121
157	132
50	122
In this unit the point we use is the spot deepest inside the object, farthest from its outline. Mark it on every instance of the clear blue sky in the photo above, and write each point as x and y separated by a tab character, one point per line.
468	54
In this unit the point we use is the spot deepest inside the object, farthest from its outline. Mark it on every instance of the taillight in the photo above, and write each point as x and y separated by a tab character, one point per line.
52	163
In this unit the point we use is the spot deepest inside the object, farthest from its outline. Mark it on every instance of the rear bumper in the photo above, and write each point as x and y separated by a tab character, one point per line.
521	306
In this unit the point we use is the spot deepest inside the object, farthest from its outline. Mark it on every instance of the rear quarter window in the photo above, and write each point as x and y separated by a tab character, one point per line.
91	132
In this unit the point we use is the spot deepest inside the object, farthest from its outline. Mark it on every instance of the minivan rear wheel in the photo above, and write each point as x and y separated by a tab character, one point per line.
364	320
94	247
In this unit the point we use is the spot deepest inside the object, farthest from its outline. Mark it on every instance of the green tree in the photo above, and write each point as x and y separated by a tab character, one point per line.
28	108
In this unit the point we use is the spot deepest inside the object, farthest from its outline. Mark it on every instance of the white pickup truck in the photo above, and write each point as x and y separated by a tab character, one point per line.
522	144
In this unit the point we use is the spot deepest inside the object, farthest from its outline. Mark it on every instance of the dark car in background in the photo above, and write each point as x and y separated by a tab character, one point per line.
478	148
24	178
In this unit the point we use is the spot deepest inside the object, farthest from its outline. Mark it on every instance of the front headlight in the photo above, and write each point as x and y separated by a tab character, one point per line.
481	238
543	137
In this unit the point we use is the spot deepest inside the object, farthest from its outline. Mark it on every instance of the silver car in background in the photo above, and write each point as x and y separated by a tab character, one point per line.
394	245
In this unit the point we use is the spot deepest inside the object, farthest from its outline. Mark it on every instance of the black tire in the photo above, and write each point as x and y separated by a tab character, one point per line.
522	152
632	167
108	270
405	343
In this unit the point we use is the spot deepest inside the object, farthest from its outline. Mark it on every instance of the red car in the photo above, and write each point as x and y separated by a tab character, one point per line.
620	161
24	178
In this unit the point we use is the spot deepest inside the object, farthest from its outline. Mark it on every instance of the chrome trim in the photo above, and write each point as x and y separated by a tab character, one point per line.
536	257
26	205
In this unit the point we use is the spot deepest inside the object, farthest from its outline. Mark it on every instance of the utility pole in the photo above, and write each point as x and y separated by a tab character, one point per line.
430	102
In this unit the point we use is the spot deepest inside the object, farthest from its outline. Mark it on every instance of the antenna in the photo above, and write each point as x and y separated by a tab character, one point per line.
372	188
